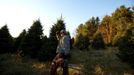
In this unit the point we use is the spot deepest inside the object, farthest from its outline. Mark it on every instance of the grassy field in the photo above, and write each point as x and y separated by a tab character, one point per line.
100	62
87	62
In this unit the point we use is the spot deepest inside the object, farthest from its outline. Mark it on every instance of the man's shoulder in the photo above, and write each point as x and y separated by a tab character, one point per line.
66	36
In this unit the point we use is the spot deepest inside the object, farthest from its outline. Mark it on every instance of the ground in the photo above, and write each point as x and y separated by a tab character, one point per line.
86	62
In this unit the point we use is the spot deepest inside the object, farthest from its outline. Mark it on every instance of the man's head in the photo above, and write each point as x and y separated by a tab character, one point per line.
63	32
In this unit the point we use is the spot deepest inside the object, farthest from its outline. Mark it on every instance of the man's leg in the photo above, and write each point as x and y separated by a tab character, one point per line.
54	66
57	61
65	67
53	69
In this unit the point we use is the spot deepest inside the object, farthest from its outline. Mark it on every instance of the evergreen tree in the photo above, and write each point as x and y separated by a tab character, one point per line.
82	42
107	29
19	39
126	42
53	42
57	27
85	32
91	26
120	20
98	42
126	47
32	42
44	54
6	40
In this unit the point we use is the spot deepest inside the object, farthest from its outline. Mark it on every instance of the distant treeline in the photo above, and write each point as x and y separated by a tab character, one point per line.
32	43
115	30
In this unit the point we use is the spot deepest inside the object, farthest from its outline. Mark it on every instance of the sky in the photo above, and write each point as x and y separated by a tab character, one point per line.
20	14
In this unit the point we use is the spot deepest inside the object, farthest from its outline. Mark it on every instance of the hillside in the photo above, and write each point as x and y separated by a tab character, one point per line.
91	62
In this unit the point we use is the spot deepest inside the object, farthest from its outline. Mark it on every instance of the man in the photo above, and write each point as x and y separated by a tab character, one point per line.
64	43
63	49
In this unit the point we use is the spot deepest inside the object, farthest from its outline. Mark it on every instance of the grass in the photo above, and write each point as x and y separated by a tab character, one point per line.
87	62
100	62
12	65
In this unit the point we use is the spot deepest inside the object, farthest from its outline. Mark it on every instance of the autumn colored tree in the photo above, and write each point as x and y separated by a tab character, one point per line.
81	40
85	32
107	29
92	26
121	19
126	42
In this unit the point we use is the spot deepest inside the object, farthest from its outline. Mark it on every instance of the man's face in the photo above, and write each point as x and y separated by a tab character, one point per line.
62	34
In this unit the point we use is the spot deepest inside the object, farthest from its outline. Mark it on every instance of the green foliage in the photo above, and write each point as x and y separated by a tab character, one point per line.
126	48
121	19
112	27
116	39
46	53
98	42
82	42
19	39
72	43
107	29
57	27
6	40
52	41
91	26
85	32
32	42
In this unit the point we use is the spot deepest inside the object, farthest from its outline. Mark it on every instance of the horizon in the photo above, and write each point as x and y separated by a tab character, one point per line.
19	15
